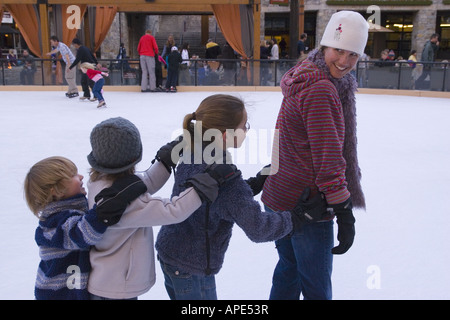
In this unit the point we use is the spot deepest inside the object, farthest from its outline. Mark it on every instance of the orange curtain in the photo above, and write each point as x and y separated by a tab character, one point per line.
228	18
236	23
69	34
63	20
104	17
27	19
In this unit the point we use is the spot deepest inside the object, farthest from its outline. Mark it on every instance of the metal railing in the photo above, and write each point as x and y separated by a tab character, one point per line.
433	76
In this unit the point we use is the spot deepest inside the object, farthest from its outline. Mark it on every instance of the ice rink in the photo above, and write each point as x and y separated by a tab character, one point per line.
401	250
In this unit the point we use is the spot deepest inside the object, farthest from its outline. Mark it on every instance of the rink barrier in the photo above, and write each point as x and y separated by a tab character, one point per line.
234	73
411	93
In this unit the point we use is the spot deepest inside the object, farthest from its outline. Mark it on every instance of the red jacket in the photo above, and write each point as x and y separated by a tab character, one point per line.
147	46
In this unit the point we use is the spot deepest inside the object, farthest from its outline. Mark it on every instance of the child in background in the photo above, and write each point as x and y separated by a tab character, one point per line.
173	60
67	229
99	81
123	262
159	62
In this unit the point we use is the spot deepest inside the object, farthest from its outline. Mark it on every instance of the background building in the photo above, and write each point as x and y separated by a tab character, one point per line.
408	23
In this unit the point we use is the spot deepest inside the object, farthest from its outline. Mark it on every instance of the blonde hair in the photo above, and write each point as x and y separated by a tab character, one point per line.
87	65
219	111
46	182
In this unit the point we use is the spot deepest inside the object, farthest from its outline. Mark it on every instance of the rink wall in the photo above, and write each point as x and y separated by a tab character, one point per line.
416	93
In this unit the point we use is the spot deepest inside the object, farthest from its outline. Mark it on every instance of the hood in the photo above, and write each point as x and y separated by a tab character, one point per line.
300	77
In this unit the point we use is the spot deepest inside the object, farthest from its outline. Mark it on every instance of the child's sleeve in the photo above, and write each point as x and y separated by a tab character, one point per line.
154	177
148	211
74	232
258	225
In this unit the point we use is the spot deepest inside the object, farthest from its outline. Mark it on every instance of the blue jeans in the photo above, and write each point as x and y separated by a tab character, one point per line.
97	89
305	264
185	286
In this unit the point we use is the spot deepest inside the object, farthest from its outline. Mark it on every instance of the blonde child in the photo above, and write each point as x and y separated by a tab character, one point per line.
99	81
67	229
123	262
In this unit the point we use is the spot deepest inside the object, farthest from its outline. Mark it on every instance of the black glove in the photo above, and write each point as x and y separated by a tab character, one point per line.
207	184
257	183
165	156
111	202
309	210
346	226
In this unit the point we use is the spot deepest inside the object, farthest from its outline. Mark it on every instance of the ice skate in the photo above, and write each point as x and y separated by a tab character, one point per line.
84	98
72	95
101	104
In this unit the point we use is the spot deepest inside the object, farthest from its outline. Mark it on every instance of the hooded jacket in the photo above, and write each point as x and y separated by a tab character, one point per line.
315	138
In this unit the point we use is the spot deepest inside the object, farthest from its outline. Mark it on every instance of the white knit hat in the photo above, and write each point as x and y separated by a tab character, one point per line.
347	30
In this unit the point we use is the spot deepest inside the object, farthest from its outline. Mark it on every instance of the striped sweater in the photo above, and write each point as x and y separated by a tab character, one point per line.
64	237
309	140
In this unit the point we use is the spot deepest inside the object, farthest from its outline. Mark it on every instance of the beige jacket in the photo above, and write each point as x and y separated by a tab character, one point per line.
123	262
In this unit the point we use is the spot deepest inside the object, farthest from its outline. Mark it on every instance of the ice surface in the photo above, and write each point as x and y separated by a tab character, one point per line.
401	250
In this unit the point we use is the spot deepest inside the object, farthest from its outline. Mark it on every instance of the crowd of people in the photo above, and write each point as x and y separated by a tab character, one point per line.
179	67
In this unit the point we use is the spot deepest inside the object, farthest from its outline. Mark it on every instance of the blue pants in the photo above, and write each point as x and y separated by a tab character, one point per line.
305	264
97	89
172	78
184	286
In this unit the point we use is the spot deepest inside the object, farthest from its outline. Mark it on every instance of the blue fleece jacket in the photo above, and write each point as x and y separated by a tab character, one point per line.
184	245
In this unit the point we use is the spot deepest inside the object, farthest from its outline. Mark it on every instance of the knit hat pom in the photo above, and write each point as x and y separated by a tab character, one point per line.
347	30
116	146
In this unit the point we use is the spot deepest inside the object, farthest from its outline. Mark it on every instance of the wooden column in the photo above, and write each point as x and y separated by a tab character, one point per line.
301	17
256	40
45	45
43	14
293	28
204	29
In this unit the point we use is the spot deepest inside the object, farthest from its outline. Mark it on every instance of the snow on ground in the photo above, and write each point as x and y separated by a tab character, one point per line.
401	247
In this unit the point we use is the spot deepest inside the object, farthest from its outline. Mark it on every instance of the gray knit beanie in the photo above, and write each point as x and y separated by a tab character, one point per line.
116	146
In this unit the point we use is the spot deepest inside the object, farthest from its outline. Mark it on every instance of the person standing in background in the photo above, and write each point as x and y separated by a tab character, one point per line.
147	49
428	55
301	45
173	61
168	46
274	55
68	58
12	57
29	68
185	77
